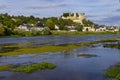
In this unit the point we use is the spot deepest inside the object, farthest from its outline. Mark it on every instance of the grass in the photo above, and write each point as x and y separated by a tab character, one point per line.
34	67
5	67
114	39
64	33
26	48
28	68
39	50
113	73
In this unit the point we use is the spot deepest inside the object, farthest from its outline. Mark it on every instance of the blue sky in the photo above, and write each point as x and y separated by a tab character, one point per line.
99	11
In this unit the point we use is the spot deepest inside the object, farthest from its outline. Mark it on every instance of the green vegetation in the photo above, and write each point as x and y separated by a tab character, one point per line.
117	46
87	55
9	24
2	30
39	50
8	48
66	14
6	67
2	77
28	68
50	24
113	73
19	49
42	49
34	67
64	33
112	39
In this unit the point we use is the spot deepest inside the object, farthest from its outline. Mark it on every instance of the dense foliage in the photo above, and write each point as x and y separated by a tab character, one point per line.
9	24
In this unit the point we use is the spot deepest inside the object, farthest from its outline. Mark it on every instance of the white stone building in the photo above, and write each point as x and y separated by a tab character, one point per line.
88	29
29	28
75	18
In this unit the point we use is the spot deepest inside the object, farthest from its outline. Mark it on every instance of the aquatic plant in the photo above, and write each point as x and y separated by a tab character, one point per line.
87	55
113	73
2	77
28	68
5	67
117	46
8	48
38	50
24	49
34	67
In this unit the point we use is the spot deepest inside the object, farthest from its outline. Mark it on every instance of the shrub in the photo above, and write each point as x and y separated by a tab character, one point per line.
2	30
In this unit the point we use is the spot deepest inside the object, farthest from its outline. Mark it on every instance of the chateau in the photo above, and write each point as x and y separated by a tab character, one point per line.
75	17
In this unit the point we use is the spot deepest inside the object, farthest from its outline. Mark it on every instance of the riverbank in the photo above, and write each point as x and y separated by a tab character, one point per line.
65	33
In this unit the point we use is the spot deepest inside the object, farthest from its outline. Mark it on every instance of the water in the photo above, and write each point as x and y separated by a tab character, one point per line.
70	66
53	40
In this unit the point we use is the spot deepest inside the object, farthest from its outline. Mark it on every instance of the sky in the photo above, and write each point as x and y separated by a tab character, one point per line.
105	12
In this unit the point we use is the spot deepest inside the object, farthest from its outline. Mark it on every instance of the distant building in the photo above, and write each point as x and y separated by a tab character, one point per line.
88	29
101	29
71	28
26	27
78	18
57	27
37	28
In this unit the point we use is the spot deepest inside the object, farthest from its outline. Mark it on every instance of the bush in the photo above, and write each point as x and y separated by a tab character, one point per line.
46	31
2	31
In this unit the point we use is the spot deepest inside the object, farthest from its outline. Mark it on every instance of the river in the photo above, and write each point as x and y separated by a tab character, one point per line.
70	66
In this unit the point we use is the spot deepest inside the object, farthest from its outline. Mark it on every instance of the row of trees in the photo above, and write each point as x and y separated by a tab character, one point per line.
9	23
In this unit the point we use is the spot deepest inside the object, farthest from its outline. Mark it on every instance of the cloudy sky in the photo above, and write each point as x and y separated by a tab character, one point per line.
99	11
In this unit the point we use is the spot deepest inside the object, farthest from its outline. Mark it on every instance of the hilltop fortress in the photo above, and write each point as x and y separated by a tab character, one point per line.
75	17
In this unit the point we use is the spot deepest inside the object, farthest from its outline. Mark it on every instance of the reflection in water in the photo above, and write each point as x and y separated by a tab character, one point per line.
70	66
52	40
87	63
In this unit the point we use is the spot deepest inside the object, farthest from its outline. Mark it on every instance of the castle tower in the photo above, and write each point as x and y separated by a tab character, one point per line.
82	17
75	15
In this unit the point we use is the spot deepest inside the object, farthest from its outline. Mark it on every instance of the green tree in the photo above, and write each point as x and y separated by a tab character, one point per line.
8	31
50	24
46	31
33	32
79	27
2	31
66	14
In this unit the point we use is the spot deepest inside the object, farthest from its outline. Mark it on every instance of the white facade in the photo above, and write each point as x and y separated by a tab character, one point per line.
71	28
29	28
37	28
91	29
56	27
75	18
101	29
23	27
